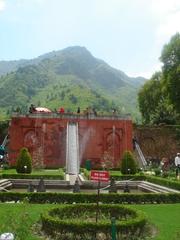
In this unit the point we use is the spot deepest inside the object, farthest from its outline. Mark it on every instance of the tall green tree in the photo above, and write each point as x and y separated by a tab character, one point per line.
149	96
171	70
164	113
154	103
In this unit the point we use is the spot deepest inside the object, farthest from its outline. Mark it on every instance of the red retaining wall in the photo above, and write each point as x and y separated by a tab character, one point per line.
45	137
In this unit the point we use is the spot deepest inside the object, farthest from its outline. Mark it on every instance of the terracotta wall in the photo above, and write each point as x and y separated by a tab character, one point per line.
159	141
46	139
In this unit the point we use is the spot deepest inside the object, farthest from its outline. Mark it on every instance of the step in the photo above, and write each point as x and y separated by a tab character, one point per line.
5	183
150	189
154	188
162	188
3	189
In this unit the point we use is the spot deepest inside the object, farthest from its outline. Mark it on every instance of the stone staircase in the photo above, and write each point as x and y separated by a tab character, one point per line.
154	188
5	184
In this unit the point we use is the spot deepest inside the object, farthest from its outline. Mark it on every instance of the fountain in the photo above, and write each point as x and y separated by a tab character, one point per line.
72	149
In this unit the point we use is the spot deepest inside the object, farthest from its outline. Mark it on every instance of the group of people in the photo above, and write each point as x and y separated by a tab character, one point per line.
86	112
32	108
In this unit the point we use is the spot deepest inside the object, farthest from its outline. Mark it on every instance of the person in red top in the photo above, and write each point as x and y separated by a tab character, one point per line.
61	110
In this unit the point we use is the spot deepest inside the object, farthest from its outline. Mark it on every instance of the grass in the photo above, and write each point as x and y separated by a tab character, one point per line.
166	218
20	218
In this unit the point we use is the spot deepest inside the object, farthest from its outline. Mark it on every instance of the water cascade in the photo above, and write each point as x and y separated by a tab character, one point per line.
141	156
72	149
113	141
4	141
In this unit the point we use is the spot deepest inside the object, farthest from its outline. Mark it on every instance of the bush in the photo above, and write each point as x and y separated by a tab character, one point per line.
24	162
32	176
157	172
128	164
69	198
164	182
77	221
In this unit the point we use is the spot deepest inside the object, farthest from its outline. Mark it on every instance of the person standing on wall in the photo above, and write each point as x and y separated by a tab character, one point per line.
177	164
78	110
61	110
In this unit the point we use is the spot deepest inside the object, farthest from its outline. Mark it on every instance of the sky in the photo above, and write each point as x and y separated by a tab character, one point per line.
128	34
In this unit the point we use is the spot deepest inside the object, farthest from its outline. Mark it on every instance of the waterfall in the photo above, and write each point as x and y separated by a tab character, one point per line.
141	156
72	149
4	141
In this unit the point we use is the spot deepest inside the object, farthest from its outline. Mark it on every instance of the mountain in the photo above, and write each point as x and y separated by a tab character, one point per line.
70	77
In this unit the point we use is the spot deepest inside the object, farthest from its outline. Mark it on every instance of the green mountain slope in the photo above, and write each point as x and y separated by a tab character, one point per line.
71	77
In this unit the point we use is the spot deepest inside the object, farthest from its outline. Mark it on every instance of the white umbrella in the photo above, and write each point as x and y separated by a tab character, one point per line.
42	109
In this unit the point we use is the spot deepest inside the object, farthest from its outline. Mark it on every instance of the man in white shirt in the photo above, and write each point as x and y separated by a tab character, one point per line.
177	164
177	160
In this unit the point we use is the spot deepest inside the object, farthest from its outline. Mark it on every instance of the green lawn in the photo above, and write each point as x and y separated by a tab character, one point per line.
21	217
166	217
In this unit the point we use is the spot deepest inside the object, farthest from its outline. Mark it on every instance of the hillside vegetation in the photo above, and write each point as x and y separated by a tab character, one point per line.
71	77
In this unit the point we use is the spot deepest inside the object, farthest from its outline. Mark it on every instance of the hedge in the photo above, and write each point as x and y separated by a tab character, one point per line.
78	222
60	176
164	182
157	180
65	198
128	177
119	176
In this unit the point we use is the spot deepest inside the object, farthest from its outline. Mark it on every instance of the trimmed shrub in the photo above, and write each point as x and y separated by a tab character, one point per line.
128	164
32	176
78	222
114	198
164	182
24	161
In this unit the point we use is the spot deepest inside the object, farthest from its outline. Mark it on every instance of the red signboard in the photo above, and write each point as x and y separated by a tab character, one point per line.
102	176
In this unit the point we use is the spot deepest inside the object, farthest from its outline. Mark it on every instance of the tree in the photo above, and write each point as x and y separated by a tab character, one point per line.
73	99
164	113
154	104
128	164
170	57
24	162
149	96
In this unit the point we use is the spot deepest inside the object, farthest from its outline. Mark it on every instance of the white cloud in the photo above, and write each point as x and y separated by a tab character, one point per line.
2	5
163	7
170	26
146	73
21	3
167	14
